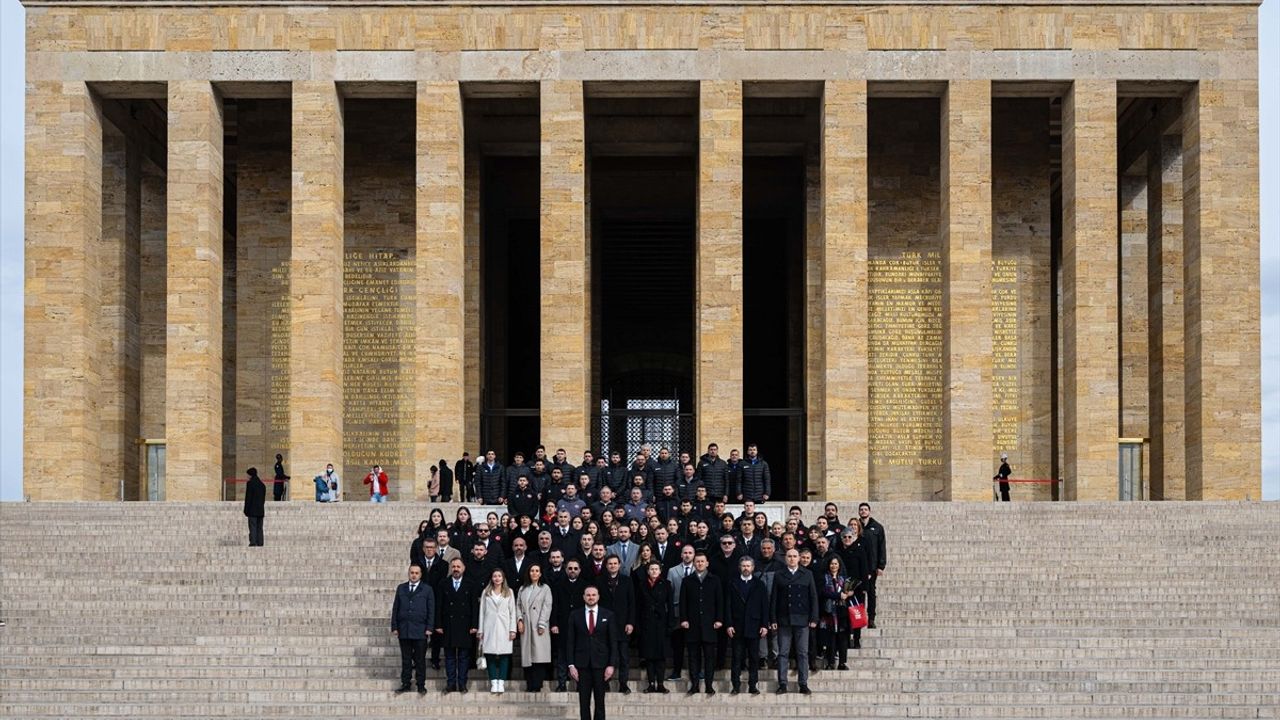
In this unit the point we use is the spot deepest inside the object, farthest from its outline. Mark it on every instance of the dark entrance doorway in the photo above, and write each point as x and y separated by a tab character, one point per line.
642	172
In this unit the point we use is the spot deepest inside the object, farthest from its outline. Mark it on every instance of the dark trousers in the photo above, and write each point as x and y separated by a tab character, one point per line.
835	642
871	598
435	650
624	661
591	685
702	658
255	532
1004	492
457	660
744	653
277	490
722	650
653	671
413	658
560	658
677	651
535	675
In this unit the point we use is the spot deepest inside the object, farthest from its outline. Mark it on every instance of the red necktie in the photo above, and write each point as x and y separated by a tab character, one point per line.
591	622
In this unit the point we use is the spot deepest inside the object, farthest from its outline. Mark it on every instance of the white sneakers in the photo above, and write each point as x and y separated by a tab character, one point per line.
497	686
502	686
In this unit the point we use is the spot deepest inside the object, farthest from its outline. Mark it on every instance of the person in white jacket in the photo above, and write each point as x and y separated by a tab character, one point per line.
497	629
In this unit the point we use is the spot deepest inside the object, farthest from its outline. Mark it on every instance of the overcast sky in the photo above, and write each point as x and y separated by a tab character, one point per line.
11	122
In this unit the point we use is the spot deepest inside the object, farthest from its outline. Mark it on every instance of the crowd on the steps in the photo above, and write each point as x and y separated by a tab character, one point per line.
690	587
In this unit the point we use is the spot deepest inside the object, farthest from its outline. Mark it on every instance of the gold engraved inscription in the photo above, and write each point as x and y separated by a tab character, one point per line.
378	334
1004	335
906	371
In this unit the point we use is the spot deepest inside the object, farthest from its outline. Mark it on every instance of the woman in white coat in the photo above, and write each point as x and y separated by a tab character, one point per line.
497	629
534	609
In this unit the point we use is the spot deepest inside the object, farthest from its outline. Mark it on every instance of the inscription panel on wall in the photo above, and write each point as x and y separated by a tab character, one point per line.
278	405
1005	378
906	370
378	335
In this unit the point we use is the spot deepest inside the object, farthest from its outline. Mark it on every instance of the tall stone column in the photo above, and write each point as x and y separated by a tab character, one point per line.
718	330
1090	229
1166	380
193	346
1223	363
63	226
966	295
565	300
846	398
440	271
315	285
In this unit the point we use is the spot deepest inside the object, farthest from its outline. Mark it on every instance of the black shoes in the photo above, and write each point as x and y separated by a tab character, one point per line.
872	625
462	689
402	689
422	691
754	690
662	689
624	690
651	688
842	666
735	690
710	691
674	676
782	690
804	690
560	687
693	690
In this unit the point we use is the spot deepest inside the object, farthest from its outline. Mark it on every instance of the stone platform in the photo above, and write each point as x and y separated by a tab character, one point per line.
1040	610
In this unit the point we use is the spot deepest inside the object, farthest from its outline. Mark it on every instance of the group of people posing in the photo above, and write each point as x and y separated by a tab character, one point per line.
668	577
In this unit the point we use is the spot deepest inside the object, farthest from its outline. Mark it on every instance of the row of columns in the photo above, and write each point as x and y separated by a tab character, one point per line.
64	223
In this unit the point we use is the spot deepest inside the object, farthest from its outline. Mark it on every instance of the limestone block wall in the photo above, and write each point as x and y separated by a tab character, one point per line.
262	287
1022	309
905	288
190	55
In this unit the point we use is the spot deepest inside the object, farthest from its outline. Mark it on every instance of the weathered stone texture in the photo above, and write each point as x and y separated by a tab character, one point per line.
379	293
1089	292
846	402
63	226
906	367
718	268
1223	357
966	226
153	301
263	183
1133	305
565	302
440	371
1166	319
193	354
1022	258
315	282
119	347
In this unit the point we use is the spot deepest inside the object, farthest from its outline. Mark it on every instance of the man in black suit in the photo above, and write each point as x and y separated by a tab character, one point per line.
701	616
665	549
617	595
412	615
456	623
434	568
748	618
566	597
255	500
592	644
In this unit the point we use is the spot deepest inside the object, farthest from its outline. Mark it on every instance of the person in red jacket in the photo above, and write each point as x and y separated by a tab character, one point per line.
377	482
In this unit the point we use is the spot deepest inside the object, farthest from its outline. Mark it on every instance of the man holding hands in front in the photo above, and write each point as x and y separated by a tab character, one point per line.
592	644
412	616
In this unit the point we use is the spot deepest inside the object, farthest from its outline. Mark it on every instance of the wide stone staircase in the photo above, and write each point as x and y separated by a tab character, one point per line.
1071	610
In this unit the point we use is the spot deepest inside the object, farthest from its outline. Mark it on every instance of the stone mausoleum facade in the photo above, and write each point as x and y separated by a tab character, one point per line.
886	241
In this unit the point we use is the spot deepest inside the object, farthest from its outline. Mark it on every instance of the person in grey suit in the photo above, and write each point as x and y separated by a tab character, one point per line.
412	617
793	613
676	576
624	549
